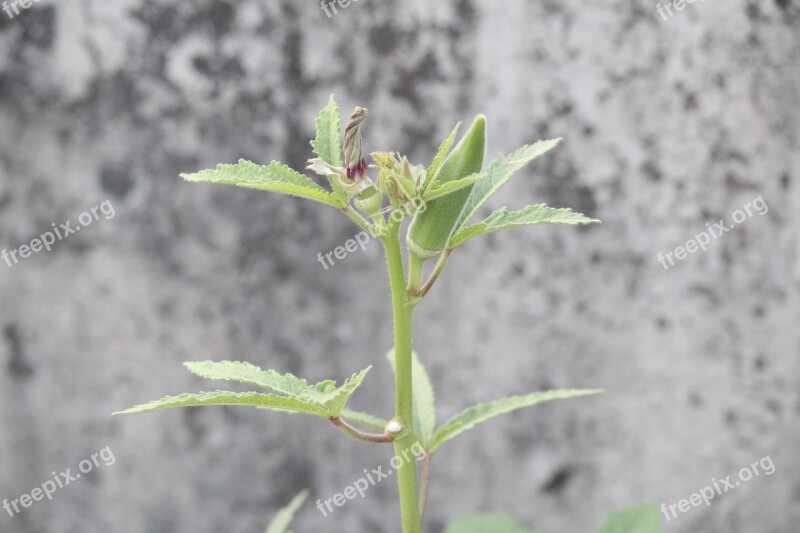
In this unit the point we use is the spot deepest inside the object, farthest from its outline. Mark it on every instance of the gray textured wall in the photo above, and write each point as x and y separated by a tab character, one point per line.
669	124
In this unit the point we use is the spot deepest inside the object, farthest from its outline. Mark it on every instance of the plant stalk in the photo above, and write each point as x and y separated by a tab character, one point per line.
357	434
423	489
416	271
403	317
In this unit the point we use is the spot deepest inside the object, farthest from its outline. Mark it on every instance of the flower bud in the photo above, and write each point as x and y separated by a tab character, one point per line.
370	201
394	177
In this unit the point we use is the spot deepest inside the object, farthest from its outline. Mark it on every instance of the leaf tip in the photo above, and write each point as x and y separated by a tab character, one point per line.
194	365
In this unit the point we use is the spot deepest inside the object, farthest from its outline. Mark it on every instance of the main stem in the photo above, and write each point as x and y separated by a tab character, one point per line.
403	316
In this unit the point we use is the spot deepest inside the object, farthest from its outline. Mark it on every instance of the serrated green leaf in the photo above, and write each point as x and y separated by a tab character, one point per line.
226	398
241	372
529	216
497	173
327	144
438	158
485	523
324	393
481	413
423	401
443	189
335	400
274	177
641	519
282	520
365	419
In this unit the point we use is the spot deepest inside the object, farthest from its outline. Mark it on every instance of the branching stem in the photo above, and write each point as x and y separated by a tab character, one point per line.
403	310
416	269
357	434
356	217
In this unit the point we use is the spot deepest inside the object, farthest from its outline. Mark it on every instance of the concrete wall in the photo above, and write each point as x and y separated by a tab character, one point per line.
669	125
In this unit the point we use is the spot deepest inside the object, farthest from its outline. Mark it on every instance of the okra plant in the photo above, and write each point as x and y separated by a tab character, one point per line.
441	200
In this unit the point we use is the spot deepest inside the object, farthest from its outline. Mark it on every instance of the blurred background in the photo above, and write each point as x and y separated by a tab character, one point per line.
670	123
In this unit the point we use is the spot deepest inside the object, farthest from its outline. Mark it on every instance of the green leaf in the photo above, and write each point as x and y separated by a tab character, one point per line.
438	158
280	524
294	394
365	419
443	189
275	177
531	215
485	523
327	144
253	399
423	401
324	393
336	399
499	172
642	519
242	372
481	413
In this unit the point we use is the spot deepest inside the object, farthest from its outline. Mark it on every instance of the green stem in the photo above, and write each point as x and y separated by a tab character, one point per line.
423	488
436	271
357	434
415	269
403	317
416	264
356	217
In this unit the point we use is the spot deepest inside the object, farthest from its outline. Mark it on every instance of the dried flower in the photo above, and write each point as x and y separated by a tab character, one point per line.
353	152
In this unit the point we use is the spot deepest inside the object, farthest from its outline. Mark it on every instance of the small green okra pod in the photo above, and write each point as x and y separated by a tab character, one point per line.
430	230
